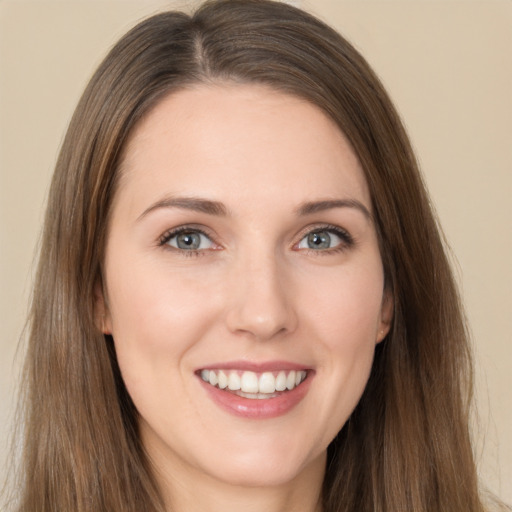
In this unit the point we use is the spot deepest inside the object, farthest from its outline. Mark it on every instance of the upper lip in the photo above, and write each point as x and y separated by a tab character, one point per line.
255	366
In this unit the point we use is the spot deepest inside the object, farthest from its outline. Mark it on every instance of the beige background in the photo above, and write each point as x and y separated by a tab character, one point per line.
447	65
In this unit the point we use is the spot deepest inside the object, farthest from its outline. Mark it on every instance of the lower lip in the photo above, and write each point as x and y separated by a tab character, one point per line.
259	408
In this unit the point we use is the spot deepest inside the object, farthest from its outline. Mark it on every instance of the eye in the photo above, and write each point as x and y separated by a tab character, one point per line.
187	239
324	239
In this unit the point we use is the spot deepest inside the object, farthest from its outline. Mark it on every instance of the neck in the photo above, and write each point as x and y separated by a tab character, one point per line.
195	492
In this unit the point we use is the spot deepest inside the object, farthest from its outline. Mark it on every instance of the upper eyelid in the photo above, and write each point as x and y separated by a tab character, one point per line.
325	227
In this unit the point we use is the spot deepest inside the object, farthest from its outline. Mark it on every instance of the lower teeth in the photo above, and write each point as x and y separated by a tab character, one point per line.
254	396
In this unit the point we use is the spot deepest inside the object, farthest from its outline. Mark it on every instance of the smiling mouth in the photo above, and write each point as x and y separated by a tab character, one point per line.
252	385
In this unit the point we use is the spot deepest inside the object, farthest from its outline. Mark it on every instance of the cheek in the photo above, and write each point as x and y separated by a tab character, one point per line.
345	319
149	299
157	316
346	306
157	319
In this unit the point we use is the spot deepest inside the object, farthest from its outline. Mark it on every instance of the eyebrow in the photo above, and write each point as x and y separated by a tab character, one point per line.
312	207
218	209
188	203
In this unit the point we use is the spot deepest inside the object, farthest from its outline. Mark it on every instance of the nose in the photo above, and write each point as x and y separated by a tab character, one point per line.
261	304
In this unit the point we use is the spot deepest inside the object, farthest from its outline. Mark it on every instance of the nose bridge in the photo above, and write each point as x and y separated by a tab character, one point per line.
261	302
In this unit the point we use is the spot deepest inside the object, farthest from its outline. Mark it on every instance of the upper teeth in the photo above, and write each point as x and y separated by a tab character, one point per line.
251	382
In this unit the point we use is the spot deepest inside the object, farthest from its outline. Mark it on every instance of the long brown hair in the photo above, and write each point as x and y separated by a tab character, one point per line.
406	447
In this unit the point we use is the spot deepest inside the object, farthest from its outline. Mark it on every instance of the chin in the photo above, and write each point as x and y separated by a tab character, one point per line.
260	471
255	477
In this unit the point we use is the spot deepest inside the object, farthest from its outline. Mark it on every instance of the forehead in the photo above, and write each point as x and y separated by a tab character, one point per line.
243	140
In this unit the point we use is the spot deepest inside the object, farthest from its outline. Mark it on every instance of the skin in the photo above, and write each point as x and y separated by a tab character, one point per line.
254	291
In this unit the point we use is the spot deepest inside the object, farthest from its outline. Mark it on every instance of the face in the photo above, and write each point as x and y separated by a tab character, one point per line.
243	285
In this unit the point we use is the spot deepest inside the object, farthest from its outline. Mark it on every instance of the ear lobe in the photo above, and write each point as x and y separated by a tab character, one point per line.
386	315
102	317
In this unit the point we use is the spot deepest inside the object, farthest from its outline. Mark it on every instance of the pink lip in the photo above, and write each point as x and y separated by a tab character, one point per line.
247	366
250	408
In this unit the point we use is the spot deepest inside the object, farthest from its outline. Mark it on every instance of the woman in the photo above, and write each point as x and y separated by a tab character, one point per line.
242	296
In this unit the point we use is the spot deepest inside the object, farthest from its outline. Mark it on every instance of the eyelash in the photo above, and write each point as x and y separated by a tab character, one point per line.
168	235
347	241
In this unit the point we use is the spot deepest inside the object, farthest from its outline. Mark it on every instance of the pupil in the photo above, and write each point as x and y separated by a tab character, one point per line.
188	241
320	240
